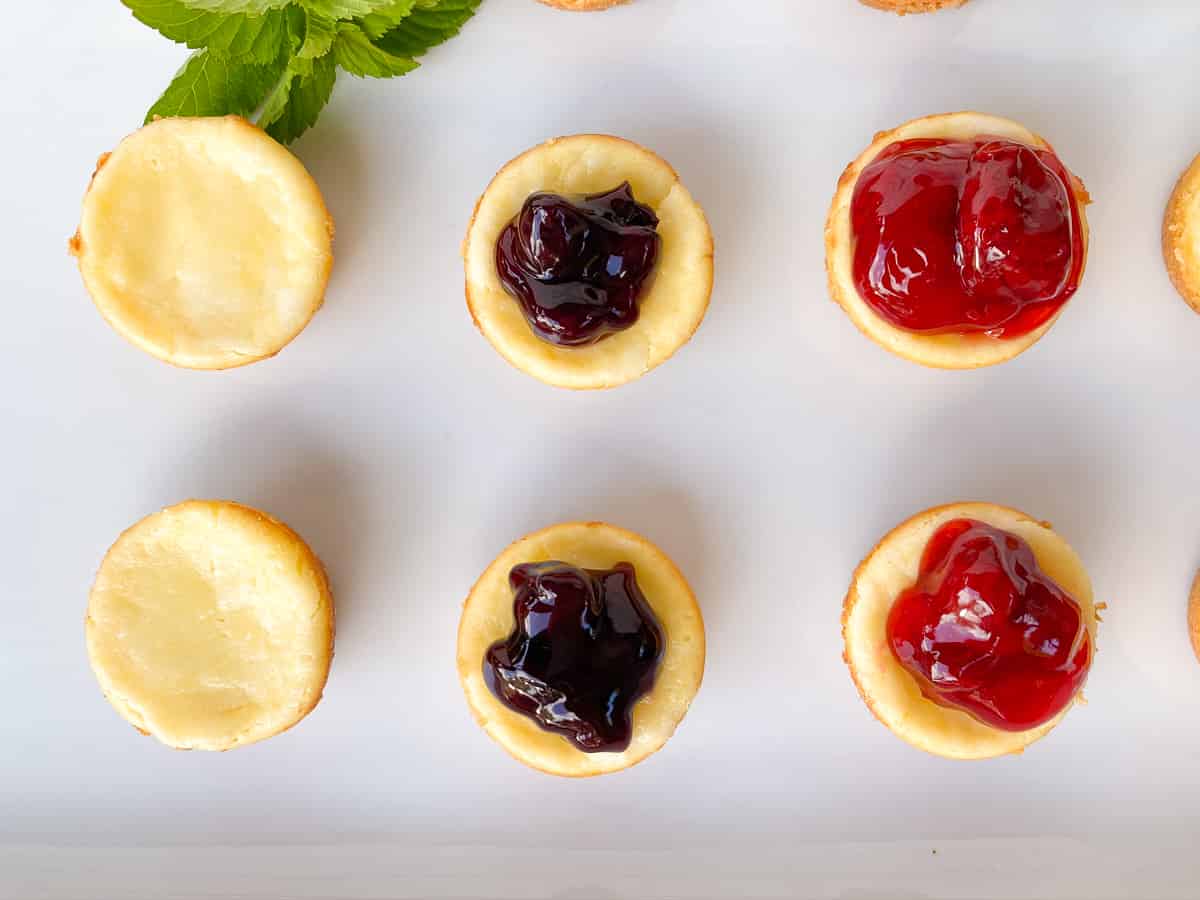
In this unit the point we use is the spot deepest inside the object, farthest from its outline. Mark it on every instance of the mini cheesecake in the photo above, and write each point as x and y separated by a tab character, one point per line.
963	273
1181	235
210	626
992	689
904	7
583	5
1193	617
587	262
204	242
543	686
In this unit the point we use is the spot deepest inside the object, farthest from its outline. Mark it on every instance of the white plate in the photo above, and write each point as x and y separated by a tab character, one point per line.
766	458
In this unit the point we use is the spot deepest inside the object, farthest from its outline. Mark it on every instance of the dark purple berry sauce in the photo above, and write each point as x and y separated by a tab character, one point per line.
577	264
585	648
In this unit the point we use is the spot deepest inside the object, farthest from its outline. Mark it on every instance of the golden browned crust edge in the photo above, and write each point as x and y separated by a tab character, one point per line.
327	596
904	7
845	185
1176	221
323	585
583	5
1193	616
75	242
599	385
852	598
702	652
76	248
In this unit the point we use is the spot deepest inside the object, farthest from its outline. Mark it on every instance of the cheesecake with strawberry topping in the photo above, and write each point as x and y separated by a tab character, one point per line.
970	630
955	241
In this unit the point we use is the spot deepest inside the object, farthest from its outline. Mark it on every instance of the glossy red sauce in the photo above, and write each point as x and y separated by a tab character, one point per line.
966	236
984	630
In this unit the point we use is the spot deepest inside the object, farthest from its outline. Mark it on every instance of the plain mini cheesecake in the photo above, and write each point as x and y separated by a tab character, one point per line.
956	240
204	242
580	649
1181	235
210	626
969	630
587	262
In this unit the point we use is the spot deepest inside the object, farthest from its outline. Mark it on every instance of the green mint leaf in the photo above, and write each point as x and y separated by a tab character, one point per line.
302	93
282	56
208	85
297	26
334	9
427	27
319	32
276	101
356	54
345	9
227	7
238	36
384	20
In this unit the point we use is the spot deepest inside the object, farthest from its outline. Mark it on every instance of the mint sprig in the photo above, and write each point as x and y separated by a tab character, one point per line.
358	55
236	36
208	82
429	24
299	98
277	60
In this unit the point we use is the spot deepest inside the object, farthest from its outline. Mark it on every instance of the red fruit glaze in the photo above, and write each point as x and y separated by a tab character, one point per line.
985	631
966	236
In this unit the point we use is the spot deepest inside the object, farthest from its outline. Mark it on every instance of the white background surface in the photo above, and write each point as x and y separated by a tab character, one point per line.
767	457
